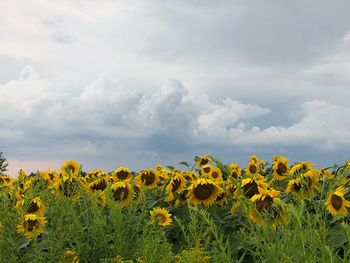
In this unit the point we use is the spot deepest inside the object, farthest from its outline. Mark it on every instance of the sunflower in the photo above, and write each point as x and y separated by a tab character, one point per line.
215	174
148	178
336	204
206	169
69	188
294	186
70	168
252	187
301	167
176	185
50	176
203	191
31	225
94	174
121	192
121	174
203	160
231	188
70	256
97	185
254	159
280	168
252	169
262	166
325	174
22	175
36	207
161	216
235	170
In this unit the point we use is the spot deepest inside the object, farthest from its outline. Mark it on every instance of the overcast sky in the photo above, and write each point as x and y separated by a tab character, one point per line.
138	83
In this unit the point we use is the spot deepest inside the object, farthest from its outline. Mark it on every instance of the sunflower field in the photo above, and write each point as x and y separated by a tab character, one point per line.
201	212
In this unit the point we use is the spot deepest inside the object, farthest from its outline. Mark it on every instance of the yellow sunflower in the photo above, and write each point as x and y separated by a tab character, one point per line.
121	192
31	225
215	174
121	174
203	160
70	256
36	207
254	159
70	168
252	169
252	187
147	178
161	216
280	168
262	166
50	176
98	185
235	170
336	204
301	167
294	186
176	185
206	169
203	191
70	188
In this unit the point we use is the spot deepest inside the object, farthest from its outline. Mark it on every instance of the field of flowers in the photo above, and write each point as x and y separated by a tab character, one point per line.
200	212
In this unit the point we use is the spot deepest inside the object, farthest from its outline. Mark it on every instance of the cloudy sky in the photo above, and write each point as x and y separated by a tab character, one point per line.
138	83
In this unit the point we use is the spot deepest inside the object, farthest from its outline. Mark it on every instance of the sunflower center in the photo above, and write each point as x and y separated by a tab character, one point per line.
281	169
160	218
33	207
32	224
120	194
250	189
252	168
70	168
203	161
206	169
296	187
203	192
101	185
337	202
148	178
176	185
234	174
264	204
51	175
215	175
122	175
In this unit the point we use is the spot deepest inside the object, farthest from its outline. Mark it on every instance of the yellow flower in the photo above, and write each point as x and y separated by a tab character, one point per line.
203	191
294	186
235	170
301	167
252	169
215	174
148	178
280	168
336	204
70	256
206	169
31	225
161	216
203	160
121	192
262	166
97	185
252	187
176	185
121	174
50	176
36	207
70	168
254	159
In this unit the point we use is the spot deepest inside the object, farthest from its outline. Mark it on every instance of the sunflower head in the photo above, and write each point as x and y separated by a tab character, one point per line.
31	225
98	185
252	187
121	192
50	176
203	160
147	178
121	174
36	207
235	170
252	169
176	185
280	168
161	216
336	204
203	191
301	167
70	168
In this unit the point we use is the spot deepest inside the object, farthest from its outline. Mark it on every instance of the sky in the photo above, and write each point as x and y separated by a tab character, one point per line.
140	83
